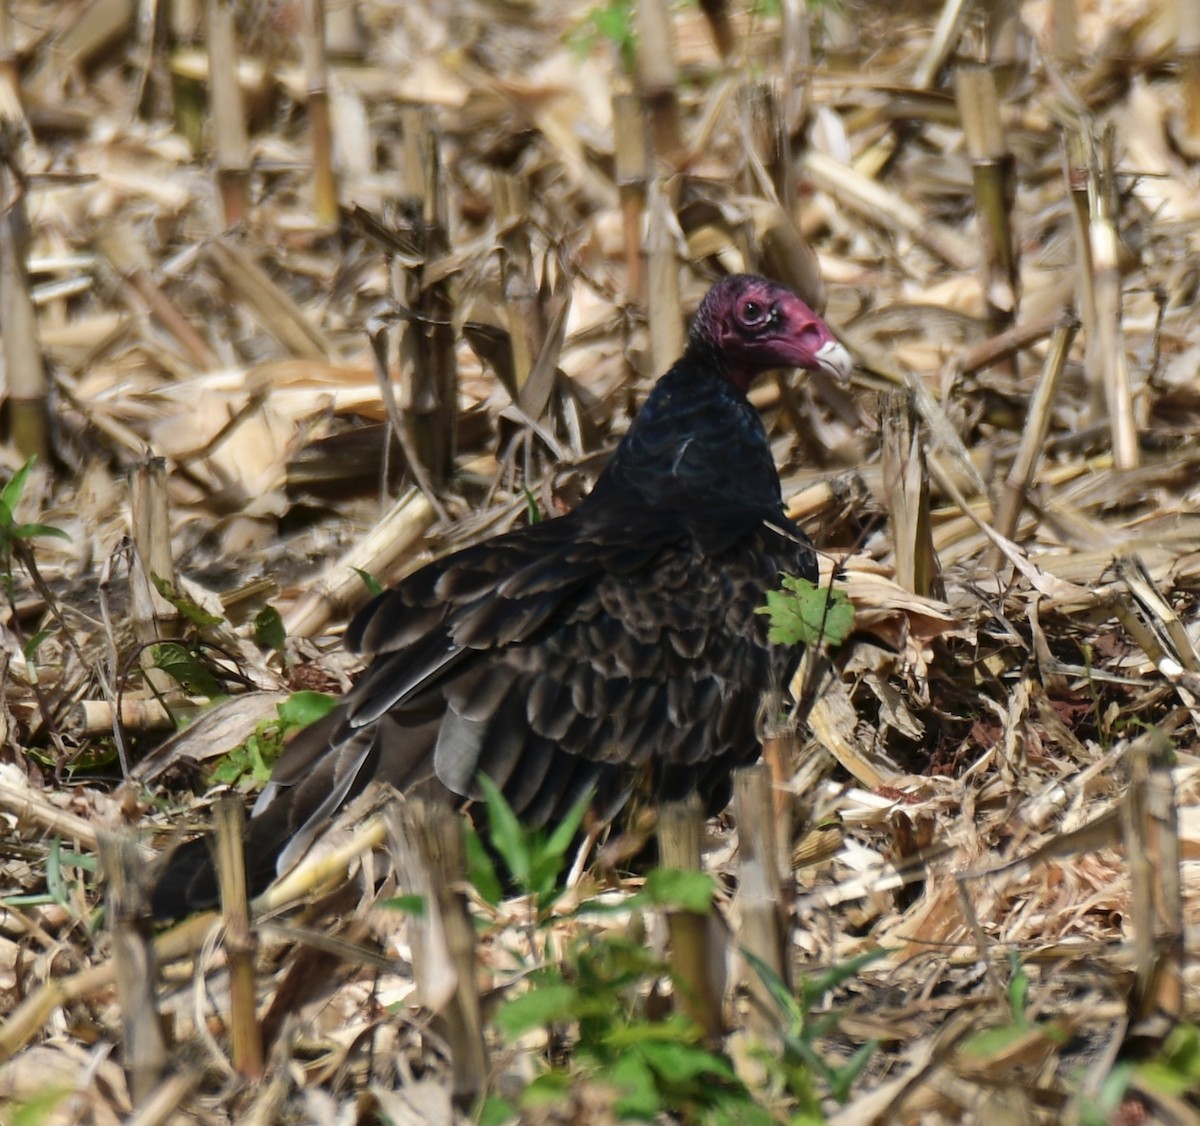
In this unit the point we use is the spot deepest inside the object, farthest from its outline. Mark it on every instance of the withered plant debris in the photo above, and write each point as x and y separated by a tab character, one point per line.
508	209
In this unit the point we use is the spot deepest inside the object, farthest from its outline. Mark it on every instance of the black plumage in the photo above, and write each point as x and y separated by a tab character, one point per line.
613	646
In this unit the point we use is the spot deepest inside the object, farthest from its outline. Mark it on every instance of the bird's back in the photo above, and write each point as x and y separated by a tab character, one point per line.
568	656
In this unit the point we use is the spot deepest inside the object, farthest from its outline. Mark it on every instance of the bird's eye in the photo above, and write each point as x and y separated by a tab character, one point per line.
753	312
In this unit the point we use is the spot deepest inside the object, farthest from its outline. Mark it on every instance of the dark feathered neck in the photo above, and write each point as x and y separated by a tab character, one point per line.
702	360
696	448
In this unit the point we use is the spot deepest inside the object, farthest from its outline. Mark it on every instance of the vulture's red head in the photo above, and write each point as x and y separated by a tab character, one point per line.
752	325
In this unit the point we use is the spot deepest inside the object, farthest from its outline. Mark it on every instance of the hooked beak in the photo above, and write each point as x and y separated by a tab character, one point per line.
833	359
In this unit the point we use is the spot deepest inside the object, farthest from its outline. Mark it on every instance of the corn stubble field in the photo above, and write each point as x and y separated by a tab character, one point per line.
978	902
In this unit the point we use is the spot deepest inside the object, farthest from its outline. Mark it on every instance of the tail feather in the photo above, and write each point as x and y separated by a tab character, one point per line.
325	769
189	881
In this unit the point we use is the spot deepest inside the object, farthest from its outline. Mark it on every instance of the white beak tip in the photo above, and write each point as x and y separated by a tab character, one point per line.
833	358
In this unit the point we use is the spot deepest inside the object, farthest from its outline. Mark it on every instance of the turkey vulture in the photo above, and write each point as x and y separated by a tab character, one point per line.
615	646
